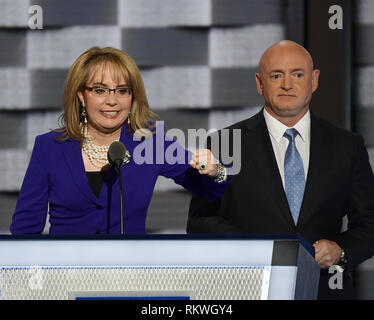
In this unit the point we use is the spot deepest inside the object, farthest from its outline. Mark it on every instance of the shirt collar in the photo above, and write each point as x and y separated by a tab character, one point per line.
277	128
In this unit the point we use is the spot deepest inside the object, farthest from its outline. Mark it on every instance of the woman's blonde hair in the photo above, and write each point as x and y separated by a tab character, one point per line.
83	69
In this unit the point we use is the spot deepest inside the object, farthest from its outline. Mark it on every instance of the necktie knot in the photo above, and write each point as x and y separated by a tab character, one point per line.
291	134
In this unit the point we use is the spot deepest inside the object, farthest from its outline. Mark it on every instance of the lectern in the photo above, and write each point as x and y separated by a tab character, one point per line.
157	267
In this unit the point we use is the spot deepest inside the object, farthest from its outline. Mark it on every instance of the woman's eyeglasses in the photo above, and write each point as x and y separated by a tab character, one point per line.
104	92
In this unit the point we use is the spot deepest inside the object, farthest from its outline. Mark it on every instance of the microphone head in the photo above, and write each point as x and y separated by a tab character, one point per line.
117	153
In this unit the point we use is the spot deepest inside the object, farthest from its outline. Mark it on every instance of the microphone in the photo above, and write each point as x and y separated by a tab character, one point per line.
118	154
117	157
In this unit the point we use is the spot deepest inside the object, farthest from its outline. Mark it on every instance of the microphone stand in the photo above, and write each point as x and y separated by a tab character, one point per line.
118	169
119	156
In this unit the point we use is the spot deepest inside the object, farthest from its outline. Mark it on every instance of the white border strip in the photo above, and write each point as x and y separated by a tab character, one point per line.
136	252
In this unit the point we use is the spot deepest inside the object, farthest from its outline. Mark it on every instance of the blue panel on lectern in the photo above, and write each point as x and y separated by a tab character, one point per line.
119	296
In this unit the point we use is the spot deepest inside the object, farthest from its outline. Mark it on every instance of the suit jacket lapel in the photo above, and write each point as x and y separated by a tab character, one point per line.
319	148
257	142
73	157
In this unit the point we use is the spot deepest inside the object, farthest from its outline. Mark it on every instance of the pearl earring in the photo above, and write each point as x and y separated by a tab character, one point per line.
128	119
84	114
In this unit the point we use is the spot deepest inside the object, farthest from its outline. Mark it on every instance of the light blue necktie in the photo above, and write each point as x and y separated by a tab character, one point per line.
294	176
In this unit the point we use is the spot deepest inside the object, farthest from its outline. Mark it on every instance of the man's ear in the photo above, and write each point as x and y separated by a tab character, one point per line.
81	98
315	77
260	88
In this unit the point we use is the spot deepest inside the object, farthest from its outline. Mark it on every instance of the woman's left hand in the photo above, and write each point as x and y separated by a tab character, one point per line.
203	160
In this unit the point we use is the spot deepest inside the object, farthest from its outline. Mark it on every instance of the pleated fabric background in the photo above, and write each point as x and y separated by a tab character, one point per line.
197	59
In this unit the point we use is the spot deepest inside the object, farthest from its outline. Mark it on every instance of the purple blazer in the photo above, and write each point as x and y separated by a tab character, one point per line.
56	182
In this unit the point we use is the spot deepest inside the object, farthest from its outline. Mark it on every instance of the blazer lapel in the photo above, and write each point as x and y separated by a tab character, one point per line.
319	148
73	157
257	141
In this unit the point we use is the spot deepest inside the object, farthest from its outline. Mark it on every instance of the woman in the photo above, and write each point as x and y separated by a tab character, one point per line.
69	176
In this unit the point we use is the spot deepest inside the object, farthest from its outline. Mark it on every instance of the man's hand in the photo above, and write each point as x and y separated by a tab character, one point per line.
203	160
327	253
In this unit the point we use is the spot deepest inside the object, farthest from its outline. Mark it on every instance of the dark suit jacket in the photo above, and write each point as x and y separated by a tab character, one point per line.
339	182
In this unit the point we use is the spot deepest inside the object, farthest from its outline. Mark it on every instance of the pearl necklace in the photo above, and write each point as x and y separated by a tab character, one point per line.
96	154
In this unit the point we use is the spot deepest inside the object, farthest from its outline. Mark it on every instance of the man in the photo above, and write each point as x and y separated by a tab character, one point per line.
299	174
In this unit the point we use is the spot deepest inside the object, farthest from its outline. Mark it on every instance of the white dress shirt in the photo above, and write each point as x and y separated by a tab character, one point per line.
280	143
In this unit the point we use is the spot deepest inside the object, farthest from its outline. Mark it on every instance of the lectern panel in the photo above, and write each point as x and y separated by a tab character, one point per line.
248	283
165	267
